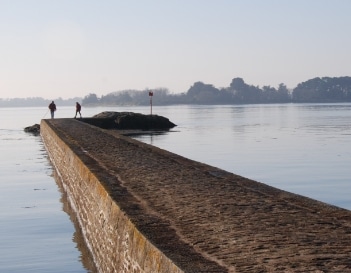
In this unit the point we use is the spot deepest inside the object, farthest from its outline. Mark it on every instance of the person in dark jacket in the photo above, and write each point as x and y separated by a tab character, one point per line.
78	108
52	107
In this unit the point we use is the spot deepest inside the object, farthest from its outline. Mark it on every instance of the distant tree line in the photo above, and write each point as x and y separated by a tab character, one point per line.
324	89
36	102
317	90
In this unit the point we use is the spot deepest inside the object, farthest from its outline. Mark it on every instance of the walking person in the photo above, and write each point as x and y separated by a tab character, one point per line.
52	107
78	108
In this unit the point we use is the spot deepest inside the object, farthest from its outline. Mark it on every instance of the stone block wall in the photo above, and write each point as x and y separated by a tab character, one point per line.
115	243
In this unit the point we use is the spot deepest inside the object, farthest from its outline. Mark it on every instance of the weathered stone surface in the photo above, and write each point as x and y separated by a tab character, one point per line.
143	207
34	129
129	120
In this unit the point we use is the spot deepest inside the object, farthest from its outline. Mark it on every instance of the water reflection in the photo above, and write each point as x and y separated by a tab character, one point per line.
85	257
147	136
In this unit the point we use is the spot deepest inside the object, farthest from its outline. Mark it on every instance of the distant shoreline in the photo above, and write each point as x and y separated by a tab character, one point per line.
133	105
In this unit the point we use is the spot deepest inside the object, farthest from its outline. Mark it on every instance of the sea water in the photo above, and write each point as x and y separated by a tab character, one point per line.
301	148
38	230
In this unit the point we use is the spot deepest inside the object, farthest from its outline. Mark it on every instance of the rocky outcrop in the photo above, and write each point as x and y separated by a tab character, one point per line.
120	120
34	129
129	120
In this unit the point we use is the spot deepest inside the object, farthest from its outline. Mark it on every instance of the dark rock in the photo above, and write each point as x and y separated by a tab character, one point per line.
34	129
129	120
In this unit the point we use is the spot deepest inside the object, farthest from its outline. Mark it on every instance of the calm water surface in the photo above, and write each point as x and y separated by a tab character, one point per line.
301	148
37	226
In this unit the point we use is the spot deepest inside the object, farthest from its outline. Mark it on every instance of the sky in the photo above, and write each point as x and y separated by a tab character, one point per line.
72	48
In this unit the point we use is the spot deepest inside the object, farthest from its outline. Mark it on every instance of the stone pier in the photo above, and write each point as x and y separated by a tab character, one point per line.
146	210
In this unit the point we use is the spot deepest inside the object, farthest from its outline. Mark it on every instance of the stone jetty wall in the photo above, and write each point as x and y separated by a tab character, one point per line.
116	244
143	209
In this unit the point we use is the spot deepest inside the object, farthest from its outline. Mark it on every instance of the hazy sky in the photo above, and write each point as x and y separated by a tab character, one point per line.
70	48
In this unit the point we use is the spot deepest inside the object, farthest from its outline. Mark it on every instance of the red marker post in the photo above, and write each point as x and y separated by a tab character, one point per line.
151	95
